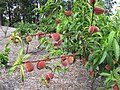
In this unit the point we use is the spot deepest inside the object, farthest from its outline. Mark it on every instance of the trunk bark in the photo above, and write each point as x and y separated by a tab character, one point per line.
9	12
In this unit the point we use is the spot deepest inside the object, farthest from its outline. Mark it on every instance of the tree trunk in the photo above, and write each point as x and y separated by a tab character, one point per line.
1	19
9	12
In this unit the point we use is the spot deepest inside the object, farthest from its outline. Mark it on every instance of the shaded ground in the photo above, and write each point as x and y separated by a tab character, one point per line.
75	79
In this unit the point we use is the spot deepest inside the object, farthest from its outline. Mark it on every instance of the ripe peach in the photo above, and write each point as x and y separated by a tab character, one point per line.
57	22
64	63
92	2
115	87
49	35
93	29
41	64
68	13
59	42
107	67
28	66
84	60
39	34
49	76
70	58
98	10
92	73
55	43
56	47
56	36
28	38
63	57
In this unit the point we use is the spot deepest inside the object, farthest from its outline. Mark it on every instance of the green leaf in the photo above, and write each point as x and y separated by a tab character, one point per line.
107	80
22	72
110	38
21	52
13	68
26	56
116	49
105	74
103	57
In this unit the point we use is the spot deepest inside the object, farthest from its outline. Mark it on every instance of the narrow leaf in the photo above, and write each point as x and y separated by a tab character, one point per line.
103	57
116	49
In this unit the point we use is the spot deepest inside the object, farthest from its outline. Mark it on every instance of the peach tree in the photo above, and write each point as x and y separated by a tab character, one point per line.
83	31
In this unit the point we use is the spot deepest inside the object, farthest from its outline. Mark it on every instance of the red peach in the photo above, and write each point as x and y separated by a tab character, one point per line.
70	58
57	22
98	10
63	57
28	66
59	42
28	38
51	75
107	67
41	64
68	13
115	87
93	29
39	34
47	77
55	43
92	73
49	35
56	47
84	60
56	36
64	63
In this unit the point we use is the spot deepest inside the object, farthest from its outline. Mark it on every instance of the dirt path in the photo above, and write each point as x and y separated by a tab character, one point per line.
75	79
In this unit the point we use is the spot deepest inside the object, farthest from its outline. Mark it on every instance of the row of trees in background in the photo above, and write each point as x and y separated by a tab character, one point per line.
13	11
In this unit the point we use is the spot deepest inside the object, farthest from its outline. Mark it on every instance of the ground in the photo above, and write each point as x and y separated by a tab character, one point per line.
75	79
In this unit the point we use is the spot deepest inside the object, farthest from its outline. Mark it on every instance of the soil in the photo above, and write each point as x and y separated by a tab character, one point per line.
77	77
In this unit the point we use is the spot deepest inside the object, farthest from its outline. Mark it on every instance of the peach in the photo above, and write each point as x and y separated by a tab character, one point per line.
55	43
115	87
68	13
107	67
49	76
28	38
56	47
92	2
64	63
84	60
28	66
92	73
56	36
93	29
39	34
41	64
70	58
57	22
63	57
98	10
49	35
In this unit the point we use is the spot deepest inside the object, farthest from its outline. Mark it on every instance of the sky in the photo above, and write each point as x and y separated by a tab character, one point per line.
114	7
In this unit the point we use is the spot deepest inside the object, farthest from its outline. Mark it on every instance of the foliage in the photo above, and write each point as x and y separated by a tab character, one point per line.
4	56
100	49
18	62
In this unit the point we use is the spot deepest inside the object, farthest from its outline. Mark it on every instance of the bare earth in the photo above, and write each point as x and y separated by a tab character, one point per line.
75	79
